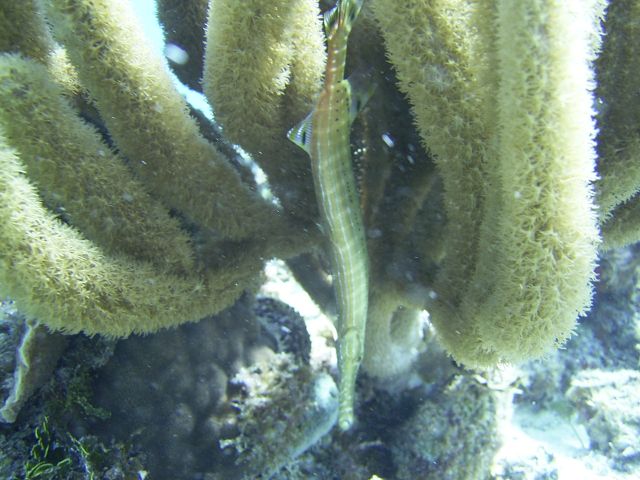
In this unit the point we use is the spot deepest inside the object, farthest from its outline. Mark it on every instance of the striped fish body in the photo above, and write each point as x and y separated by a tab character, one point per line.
324	134
342	220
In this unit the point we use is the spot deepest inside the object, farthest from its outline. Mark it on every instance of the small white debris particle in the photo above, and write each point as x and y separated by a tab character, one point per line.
176	54
386	138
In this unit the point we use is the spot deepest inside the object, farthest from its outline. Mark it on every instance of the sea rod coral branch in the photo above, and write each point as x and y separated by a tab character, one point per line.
263	69
148	121
500	96
619	125
59	277
104	255
78	175
521	225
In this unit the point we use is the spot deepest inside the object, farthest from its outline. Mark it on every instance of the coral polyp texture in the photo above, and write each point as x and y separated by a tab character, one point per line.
97	241
117	216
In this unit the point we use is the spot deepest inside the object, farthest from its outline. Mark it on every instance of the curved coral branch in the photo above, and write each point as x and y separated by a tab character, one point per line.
619	136
500	96
521	233
56	275
131	269
148	119
79	176
623	228
263	68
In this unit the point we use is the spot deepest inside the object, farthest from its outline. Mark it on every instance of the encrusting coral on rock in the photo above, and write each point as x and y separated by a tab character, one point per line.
117	216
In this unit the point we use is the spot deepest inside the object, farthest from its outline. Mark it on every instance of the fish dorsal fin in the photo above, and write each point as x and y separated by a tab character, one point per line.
361	88
301	134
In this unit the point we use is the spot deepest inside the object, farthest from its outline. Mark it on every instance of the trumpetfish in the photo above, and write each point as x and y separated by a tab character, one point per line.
324	135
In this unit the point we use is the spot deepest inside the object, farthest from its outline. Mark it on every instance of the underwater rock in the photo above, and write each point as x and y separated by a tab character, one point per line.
285	326
28	357
609	403
162	390
283	409
451	436
171	397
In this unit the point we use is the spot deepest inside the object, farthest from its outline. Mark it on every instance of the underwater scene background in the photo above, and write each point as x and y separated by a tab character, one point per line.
188	294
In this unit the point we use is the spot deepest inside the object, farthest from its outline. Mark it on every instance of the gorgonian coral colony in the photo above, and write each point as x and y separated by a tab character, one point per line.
117	216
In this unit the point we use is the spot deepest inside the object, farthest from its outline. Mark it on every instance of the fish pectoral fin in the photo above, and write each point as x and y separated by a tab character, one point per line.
361	88
301	133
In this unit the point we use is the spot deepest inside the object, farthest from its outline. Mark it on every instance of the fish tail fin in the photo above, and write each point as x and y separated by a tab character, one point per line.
343	14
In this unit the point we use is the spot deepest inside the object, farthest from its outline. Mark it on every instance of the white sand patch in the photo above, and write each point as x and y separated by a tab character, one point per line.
538	442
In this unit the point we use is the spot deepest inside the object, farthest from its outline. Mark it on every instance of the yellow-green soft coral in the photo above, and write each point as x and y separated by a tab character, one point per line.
500	91
148	118
539	236
263	68
500	95
79	176
623	228
22	29
123	264
56	275
618	78
434	54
